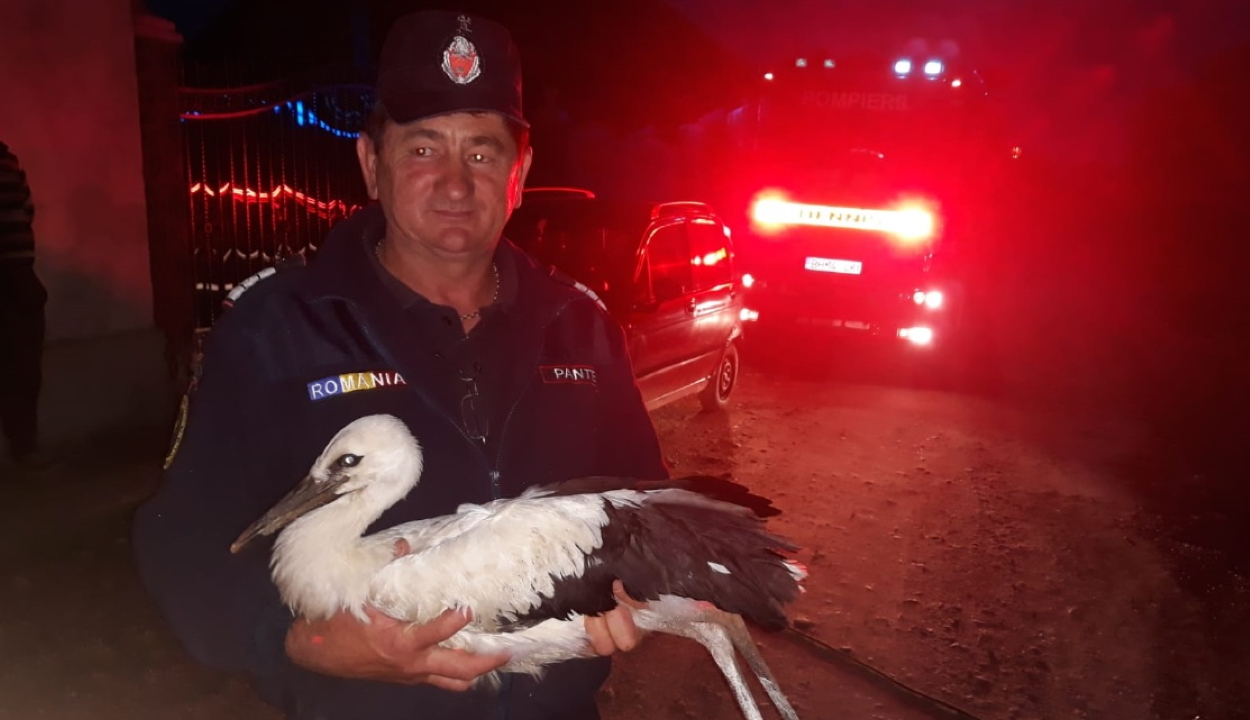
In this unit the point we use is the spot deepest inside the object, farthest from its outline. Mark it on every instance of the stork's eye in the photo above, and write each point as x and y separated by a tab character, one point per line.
349	460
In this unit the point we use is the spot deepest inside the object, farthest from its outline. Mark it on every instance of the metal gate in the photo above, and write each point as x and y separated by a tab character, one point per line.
270	168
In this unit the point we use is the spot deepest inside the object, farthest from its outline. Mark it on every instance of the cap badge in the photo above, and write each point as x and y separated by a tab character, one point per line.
461	62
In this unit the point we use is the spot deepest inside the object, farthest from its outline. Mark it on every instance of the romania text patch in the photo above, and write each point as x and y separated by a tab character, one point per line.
352	382
577	374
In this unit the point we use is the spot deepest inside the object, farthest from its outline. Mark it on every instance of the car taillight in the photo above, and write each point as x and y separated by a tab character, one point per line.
917	335
932	299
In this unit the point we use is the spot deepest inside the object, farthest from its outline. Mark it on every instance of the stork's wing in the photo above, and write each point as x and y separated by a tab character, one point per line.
714	488
502	561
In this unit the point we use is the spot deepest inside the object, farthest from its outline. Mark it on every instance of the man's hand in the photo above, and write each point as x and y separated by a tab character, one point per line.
387	649
615	629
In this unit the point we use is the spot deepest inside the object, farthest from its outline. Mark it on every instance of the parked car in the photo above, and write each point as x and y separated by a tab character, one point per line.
665	270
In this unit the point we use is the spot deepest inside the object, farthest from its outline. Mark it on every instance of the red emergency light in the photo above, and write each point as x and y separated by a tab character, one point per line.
909	222
711	258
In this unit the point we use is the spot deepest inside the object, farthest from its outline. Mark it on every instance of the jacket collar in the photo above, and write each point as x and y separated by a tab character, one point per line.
342	269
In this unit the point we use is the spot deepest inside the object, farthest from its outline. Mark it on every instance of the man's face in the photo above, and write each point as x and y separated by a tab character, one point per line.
447	184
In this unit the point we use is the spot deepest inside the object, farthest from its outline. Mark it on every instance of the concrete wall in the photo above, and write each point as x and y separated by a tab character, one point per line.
69	108
70	111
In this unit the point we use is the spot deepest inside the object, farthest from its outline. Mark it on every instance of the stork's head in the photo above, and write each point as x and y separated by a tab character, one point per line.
367	467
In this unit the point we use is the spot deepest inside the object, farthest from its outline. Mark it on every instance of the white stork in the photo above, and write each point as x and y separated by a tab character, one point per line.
531	568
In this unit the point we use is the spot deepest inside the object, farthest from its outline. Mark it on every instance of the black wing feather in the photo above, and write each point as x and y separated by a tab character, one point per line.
715	487
664	547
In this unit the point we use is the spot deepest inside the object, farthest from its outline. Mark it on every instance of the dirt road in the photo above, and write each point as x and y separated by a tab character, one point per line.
988	557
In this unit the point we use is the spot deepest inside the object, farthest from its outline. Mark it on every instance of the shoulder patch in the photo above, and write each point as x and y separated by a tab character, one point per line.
247	283
237	291
568	280
180	429
184	406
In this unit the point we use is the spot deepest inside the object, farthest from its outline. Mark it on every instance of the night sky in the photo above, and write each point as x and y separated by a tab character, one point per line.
607	59
1072	73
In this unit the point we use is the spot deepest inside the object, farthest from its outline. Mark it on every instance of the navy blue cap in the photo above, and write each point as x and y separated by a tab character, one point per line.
437	62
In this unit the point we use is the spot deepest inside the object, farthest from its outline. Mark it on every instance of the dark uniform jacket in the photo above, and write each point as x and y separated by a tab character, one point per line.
306	351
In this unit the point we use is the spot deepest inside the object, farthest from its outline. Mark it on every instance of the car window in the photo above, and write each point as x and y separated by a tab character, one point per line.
667	262
525	226
552	237
711	254
573	243
563	237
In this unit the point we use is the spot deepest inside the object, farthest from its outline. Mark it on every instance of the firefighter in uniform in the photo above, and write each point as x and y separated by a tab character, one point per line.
417	307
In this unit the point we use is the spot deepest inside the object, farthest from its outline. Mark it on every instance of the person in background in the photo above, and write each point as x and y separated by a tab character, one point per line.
22	321
415	306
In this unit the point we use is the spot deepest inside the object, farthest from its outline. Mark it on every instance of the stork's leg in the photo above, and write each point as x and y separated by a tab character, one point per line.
716	639
737	631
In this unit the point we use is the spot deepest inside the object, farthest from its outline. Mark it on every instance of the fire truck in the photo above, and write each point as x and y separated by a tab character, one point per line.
865	190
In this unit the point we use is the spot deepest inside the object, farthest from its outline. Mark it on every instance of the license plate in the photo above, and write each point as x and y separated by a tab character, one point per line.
833	265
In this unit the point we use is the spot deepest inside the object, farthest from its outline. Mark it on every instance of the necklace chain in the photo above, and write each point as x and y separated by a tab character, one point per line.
494	269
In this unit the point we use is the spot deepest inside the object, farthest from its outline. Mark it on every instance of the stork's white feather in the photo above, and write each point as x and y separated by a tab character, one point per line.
547	539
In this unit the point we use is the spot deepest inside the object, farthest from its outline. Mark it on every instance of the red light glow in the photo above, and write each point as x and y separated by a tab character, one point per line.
917	335
711	258
328	209
909	222
932	299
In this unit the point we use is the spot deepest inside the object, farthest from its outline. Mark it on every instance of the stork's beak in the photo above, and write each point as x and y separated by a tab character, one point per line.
310	494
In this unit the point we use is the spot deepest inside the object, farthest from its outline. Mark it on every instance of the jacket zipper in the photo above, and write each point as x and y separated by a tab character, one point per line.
496	476
386	355
496	482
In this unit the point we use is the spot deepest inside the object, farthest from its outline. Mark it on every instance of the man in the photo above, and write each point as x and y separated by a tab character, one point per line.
417	308
22	324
